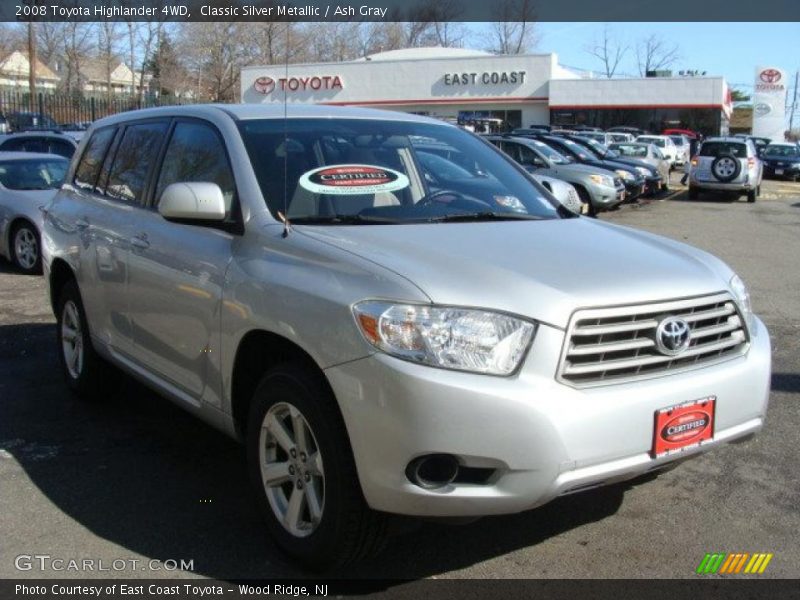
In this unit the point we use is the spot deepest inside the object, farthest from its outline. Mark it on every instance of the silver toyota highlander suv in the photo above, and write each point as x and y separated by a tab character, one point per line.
383	338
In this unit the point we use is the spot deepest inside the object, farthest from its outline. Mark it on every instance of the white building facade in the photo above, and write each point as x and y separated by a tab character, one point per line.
517	91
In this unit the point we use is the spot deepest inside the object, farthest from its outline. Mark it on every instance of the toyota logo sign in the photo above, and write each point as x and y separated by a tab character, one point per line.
770	76
264	85
673	336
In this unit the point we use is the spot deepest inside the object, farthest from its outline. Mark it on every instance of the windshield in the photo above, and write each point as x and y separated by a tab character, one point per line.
657	141
365	171
576	149
635	150
782	151
677	139
554	156
33	174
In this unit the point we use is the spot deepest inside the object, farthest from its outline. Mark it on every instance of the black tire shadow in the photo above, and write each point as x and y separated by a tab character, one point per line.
145	475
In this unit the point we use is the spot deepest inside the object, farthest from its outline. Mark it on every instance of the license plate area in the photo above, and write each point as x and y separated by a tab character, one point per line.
683	426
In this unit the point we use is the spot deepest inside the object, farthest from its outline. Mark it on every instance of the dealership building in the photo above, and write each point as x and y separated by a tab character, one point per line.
510	90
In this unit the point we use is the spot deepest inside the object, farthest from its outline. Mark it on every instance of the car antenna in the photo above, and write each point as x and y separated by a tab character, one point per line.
287	227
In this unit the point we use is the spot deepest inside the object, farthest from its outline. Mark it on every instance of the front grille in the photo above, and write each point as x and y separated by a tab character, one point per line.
606	345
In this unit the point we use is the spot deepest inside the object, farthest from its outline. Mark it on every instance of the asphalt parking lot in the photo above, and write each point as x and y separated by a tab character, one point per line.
136	478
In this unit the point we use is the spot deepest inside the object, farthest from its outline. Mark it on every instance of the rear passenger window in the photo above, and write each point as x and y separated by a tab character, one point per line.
196	153
92	159
720	148
13	145
135	155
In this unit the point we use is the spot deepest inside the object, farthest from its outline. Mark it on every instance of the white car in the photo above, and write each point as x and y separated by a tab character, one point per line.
665	144
28	181
683	146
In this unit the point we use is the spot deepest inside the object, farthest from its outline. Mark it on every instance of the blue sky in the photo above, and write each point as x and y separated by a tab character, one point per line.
732	50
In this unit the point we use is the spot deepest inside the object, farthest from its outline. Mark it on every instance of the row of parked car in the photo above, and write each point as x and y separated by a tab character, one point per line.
608	168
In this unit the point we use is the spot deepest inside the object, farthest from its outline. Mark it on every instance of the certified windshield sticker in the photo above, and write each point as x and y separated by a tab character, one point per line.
346	180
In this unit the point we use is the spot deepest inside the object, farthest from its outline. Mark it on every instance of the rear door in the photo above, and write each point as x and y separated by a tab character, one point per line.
117	203
177	270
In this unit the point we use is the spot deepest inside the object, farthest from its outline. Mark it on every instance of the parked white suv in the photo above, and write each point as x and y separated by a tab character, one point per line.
388	338
726	165
665	144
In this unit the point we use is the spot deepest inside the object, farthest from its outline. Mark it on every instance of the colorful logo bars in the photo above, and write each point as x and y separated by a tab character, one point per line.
734	563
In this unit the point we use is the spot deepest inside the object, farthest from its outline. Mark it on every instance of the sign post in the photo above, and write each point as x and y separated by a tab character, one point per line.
769	103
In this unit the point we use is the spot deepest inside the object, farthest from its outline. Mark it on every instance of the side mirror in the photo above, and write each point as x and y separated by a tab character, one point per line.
194	201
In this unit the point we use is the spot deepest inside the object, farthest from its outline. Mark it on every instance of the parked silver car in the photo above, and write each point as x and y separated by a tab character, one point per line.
383	343
28	182
564	192
726	165
598	189
648	153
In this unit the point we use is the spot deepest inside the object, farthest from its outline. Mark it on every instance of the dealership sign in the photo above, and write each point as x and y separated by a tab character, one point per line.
769	103
266	85
486	78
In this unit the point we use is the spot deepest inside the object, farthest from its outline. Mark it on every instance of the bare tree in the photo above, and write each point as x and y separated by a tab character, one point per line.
214	56
78	46
107	52
49	42
513	32
149	35
608	50
654	53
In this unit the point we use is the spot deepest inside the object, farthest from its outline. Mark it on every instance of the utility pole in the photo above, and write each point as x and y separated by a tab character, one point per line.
32	65
794	102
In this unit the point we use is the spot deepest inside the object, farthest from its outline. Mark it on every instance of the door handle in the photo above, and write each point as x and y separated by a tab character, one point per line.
81	223
140	241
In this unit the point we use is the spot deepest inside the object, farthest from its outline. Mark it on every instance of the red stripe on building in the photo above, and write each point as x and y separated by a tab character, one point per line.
439	101
631	106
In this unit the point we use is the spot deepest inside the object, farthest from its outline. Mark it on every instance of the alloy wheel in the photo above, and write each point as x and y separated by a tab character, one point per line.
291	469
72	339
26	248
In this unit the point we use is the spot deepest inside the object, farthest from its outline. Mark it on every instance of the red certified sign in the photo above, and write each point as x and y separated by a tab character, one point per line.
683	426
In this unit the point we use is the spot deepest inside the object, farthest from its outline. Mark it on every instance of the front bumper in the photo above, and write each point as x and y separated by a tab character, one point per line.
706	182
788	171
605	196
543	439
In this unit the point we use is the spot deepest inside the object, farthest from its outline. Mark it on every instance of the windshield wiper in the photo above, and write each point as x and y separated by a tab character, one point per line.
483	216
341	220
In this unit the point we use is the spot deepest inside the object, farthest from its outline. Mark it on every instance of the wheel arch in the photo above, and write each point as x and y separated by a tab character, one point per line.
60	274
258	351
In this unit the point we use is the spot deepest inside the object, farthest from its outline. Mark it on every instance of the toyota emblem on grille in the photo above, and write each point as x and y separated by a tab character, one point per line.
672	336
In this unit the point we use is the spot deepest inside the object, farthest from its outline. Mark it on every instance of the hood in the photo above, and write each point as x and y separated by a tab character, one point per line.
540	269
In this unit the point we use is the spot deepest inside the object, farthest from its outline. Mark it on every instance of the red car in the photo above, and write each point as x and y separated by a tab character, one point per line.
692	135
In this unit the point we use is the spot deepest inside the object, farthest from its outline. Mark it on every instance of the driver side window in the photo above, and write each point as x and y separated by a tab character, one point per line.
196	153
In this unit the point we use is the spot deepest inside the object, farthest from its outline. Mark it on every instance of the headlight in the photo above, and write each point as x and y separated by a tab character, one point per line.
643	171
742	297
624	175
605	180
448	337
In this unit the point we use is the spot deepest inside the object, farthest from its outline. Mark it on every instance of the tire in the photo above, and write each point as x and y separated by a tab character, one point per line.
587	200
86	373
693	193
293	397
726	167
26	247
751	196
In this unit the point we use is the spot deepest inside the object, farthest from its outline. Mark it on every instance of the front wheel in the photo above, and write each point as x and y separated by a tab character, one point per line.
302	469
586	199
25	245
